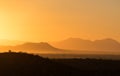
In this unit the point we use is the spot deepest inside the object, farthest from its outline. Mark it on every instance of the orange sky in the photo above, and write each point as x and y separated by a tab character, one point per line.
54	20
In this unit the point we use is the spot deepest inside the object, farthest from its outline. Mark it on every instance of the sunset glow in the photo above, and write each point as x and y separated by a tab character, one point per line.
59	37
54	20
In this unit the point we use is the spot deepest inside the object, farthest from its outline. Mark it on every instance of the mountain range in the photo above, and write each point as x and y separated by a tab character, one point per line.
70	45
81	44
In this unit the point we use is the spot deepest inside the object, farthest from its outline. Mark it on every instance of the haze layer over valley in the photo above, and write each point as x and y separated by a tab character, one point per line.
68	46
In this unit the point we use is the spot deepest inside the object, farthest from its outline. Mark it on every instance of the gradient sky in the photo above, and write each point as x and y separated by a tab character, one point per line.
54	20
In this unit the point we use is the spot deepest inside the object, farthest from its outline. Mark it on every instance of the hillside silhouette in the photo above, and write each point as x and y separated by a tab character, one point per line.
23	64
41	47
81	44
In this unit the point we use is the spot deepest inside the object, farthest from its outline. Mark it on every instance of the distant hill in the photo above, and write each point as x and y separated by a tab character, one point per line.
42	47
81	44
69	46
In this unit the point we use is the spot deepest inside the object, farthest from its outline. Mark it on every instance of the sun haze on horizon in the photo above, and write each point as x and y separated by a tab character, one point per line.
54	20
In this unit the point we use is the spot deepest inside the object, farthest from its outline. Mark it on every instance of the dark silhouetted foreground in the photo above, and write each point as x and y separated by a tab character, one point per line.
22	64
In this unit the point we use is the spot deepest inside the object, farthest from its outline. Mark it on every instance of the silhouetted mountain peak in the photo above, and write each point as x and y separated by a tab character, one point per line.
81	44
76	39
36	44
36	47
107	41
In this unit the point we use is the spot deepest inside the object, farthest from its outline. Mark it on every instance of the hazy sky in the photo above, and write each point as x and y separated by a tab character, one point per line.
51	20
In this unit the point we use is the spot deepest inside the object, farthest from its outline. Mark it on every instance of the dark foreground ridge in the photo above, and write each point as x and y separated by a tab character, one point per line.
23	64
